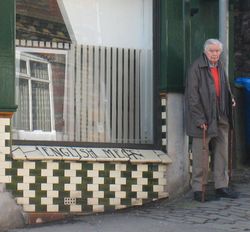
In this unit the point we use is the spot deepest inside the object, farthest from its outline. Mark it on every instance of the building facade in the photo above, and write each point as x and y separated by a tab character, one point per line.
92	101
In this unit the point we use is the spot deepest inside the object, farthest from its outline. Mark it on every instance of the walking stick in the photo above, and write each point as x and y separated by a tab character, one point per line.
230	154
231	147
205	159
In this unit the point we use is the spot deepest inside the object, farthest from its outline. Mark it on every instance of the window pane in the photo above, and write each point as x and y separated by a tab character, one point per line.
21	119
39	70
41	106
23	67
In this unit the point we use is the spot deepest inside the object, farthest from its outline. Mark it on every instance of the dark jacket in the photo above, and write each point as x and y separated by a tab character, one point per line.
201	105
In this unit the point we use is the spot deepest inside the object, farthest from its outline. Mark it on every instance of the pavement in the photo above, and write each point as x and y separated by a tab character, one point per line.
178	215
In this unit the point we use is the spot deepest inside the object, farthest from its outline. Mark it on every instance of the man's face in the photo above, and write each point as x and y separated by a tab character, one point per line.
213	53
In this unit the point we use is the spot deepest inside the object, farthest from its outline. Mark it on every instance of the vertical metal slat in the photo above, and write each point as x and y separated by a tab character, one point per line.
84	95
90	93
114	98
102	95
108	95
125	97
120	91
131	95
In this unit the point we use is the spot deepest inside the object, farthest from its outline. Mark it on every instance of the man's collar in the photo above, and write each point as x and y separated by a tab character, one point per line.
212	65
203	62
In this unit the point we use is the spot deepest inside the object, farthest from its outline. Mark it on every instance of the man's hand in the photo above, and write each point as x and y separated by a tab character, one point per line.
203	126
233	102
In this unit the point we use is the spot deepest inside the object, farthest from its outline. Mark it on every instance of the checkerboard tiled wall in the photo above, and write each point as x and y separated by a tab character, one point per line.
164	121
71	186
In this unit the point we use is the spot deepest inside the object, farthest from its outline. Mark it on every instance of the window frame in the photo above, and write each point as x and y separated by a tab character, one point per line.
23	53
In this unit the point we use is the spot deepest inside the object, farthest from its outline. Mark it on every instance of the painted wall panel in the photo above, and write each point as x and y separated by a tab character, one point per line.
185	25
7	55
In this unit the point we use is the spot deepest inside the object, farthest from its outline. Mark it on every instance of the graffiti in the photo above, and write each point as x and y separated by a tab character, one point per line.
85	154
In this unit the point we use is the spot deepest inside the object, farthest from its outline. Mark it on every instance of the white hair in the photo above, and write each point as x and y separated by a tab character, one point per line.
212	41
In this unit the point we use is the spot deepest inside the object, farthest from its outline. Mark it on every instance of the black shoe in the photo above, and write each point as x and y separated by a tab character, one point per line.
198	197
226	193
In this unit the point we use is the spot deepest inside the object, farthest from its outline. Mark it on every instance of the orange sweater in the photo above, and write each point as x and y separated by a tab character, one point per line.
216	77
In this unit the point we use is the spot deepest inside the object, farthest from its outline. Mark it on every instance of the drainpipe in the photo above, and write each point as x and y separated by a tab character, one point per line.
224	29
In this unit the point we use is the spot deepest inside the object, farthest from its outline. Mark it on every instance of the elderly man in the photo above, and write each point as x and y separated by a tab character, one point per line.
208	101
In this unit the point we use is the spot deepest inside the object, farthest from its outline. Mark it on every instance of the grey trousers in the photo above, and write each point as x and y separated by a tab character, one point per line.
200	158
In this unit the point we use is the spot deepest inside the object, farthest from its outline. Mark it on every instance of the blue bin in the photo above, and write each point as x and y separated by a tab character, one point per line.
245	83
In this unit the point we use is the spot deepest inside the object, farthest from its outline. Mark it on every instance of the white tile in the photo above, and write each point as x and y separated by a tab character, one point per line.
69	187
158	174
162	181
52	194
143	195
115	187
115	201
29	193
120	167
136	201
120	207
29	165
164	128
2	128
142	167
142	181
76	194
2	143
5	179
2	172
98	194
75	180
46	201
92	201
93	173
29	208
5	150
120	181
52	208
46	187
47	172
75	166
29	179
136	174
163	101
92	187
4	136
6	164
98	166
115	173
70	172
52	165
120	194
158	188
162	167
99	180
52	179
136	188
22	200
75	208
163	195
5	121
23	186
23	172
98	208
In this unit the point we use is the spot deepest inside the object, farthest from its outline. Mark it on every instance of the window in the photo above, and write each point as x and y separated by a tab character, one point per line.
35	97
99	89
